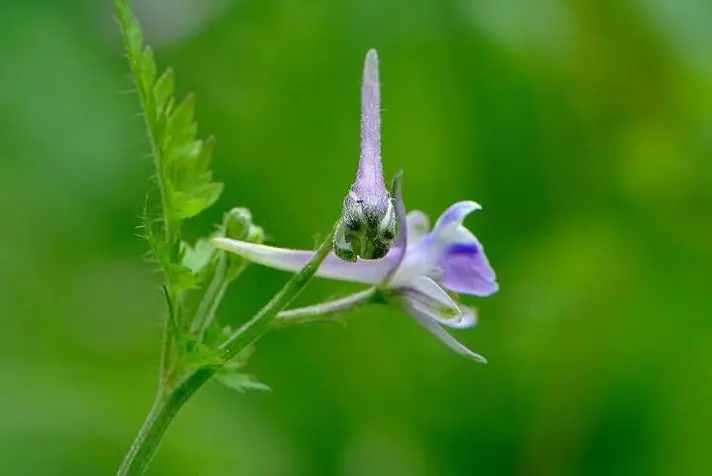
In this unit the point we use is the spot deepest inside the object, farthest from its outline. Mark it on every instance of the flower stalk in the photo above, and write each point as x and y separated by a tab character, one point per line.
326	310
420	273
184	183
170	401
262	321
369	244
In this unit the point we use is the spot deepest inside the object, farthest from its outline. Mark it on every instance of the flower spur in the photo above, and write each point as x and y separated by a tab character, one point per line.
417	272
368	222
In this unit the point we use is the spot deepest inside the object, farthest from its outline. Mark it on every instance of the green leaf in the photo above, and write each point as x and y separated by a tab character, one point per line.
185	188
198	257
147	224
185	158
180	276
240	360
182	162
180	123
204	356
188	206
195	355
230	374
203	162
148	67
133	38
163	91
240	382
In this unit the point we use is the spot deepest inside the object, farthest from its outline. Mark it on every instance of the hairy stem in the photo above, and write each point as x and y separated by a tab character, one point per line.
167	404
256	327
157	422
325	310
210	302
125	18
170	229
137	73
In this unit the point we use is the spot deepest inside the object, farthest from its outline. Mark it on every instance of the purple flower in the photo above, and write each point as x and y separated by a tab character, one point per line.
418	271
368	224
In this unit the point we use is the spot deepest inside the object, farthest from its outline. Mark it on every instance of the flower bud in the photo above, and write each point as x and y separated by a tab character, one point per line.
368	223
237	225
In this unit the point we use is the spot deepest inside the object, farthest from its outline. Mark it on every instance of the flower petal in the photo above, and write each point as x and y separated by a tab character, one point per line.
452	255
465	318
466	269
400	247
430	288
370	171
363	271
418	225
425	293
428	321
423	258
402	238
419	260
456	214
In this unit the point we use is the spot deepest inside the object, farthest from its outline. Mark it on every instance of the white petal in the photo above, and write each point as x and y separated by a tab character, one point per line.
465	318
418	225
426	295
400	245
363	271
426	320
430	288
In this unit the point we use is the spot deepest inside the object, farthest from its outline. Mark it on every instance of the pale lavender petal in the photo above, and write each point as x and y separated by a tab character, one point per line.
466	269
427	320
423	257
425	290
370	172
427	296
401	243
363	271
456	214
430	288
452	255
469	317
466	319
418	225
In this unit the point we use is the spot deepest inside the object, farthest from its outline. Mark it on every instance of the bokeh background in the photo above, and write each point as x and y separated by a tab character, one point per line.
584	127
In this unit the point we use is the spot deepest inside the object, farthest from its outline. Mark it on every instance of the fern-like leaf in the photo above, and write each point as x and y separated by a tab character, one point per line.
182	161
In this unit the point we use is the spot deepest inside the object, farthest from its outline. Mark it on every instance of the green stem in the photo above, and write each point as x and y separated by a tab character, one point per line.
149	436
170	330
164	372
133	46
167	404
325	310
133	52
211	300
256	327
157	422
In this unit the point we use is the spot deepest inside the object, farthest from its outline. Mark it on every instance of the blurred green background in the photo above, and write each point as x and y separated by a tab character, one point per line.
584	127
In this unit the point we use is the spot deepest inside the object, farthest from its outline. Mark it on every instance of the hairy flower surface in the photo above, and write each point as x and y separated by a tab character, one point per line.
418	271
368	222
